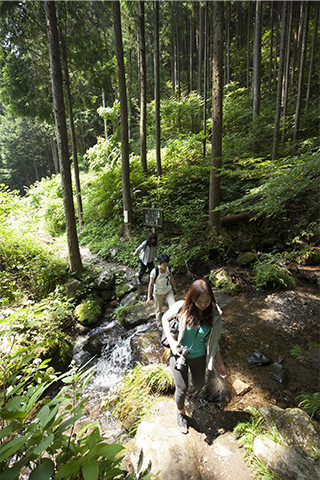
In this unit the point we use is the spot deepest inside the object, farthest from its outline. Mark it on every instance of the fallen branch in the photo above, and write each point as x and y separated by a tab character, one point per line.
237	218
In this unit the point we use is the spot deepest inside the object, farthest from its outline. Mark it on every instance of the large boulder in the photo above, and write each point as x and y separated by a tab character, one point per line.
289	462
295	427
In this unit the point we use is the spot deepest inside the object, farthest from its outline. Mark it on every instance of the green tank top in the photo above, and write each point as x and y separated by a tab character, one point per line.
199	345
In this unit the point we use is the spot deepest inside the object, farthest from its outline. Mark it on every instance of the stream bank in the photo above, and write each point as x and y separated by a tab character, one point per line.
255	321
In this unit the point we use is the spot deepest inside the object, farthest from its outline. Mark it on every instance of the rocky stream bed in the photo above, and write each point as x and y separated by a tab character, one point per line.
254	322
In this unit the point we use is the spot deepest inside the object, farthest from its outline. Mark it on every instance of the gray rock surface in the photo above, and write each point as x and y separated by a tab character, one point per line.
160	448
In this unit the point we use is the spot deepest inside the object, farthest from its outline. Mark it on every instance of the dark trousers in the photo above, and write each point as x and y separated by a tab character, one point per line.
198	370
143	269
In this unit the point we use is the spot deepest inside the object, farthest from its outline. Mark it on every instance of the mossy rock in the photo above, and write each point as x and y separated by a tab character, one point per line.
246	259
89	311
221	279
122	289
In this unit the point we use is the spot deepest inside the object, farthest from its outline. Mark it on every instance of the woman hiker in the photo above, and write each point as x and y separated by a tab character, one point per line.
148	249
161	285
196	347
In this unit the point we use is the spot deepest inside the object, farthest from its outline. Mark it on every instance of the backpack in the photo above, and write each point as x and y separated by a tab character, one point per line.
157	273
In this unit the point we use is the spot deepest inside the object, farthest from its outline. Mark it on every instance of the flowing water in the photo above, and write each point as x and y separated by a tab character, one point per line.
270	323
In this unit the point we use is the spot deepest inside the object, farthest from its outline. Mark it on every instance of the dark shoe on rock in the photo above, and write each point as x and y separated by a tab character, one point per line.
182	423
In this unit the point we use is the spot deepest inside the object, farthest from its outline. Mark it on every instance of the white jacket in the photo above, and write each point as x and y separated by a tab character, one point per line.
213	338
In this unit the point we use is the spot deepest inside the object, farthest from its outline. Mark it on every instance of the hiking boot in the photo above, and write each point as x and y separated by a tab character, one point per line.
182	423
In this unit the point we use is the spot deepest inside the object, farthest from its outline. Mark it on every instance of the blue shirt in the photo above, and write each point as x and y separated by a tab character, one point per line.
199	345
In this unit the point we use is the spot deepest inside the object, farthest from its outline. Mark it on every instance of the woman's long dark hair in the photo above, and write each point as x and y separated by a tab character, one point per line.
197	288
150	238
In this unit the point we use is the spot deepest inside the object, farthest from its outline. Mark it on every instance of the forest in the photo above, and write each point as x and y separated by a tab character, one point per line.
205	111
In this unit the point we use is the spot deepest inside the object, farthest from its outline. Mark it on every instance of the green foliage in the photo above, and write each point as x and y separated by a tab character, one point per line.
9	203
220	246
29	267
137	391
39	436
248	431
179	116
298	352
112	115
269	272
310	403
283	181
23	153
45	198
103	154
42	328
88	312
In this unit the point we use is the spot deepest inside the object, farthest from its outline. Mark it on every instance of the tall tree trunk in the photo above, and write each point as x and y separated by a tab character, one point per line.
271	47
297	40
178	60
286	72
280	81
143	89
126	195
105	128
257	60
301	71
199	49
191	50
249	28
55	156
72	132
157	88
217	88
275	60
205	72
62	135
227	70
315	32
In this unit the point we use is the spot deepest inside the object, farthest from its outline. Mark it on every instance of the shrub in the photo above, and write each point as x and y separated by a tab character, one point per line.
54	217
273	276
42	328
310	403
29	267
38	437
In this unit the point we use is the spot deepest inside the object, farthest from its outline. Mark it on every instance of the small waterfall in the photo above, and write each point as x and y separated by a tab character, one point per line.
111	367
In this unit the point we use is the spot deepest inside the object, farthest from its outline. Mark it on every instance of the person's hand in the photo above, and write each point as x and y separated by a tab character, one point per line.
174	347
222	370
148	301
134	254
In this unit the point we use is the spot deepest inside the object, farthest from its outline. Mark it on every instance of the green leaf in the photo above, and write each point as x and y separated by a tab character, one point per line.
68	422
69	469
46	415
11	447
43	415
43	471
106	450
13	404
90	469
44	444
9	429
12	473
11	415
